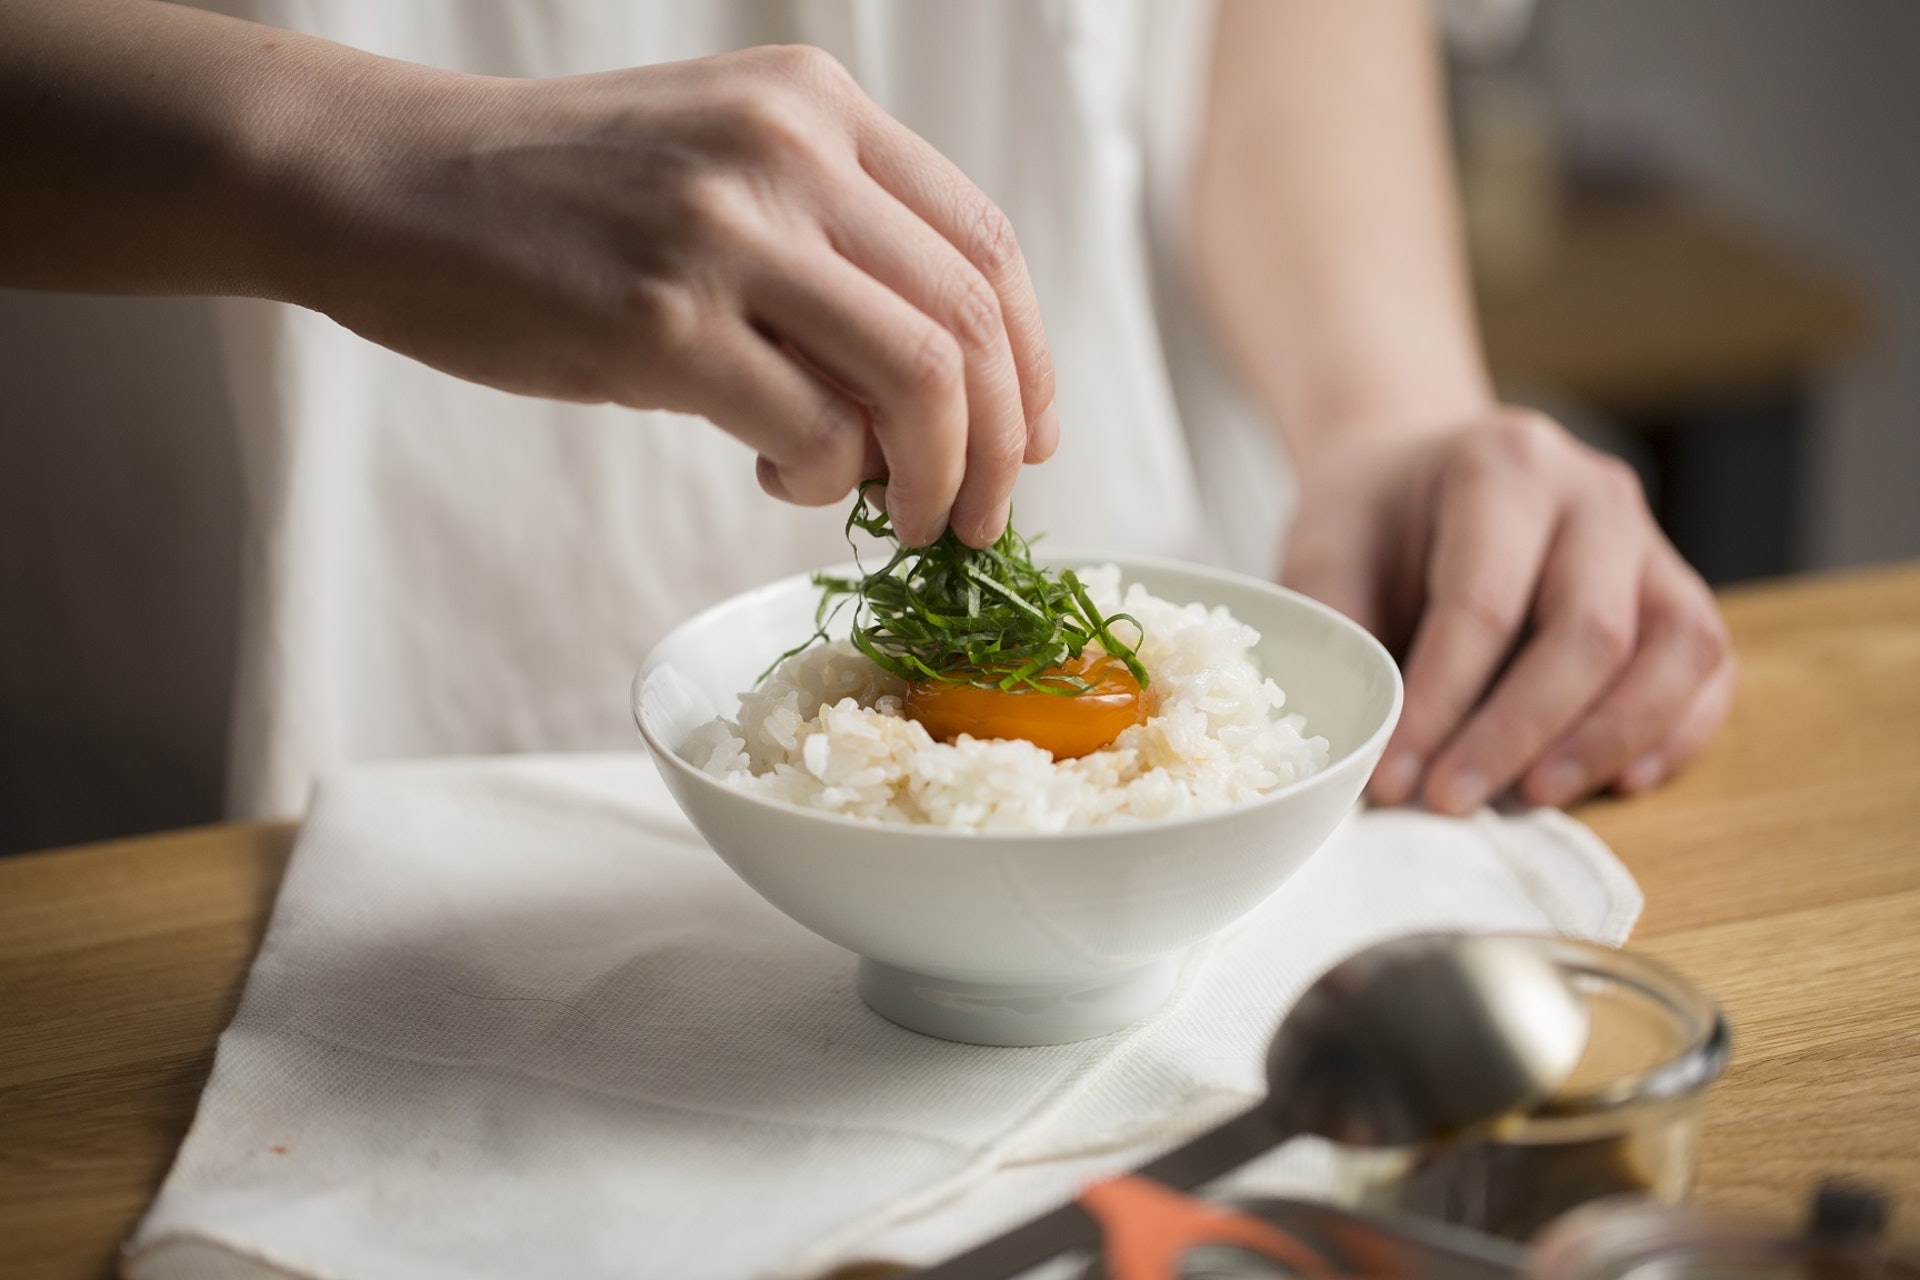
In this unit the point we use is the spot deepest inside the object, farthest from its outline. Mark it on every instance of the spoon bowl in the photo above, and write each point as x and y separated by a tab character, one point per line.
1422	1037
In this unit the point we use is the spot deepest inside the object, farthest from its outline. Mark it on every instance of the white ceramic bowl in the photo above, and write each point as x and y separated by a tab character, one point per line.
1023	939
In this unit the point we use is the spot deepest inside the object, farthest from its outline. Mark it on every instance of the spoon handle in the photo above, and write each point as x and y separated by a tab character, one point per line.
1024	1247
1200	1159
1226	1146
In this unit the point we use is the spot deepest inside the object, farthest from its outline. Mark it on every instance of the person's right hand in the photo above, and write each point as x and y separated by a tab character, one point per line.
747	237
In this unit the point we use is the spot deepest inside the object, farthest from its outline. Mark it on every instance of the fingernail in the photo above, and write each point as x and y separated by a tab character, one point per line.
1561	781
1045	437
1461	792
1395	779
1642	773
909	531
931	532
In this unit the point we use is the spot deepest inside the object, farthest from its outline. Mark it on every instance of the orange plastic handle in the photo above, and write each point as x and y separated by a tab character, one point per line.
1145	1227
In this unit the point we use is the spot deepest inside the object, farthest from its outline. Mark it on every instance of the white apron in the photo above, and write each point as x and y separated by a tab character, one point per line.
438	568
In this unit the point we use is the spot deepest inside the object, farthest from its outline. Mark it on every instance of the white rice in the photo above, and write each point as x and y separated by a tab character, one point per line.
825	731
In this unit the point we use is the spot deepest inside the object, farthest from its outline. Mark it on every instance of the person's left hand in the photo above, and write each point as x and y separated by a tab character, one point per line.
1552	639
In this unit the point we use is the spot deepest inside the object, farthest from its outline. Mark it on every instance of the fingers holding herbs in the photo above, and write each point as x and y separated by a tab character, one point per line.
987	617
748	237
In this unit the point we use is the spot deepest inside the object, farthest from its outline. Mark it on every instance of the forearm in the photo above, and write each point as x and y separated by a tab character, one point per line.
147	147
742	237
1325	242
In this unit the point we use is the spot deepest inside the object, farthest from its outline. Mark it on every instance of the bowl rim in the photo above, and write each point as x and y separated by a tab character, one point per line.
941	835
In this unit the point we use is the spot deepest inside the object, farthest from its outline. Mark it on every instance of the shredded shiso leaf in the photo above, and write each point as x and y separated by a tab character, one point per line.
987	617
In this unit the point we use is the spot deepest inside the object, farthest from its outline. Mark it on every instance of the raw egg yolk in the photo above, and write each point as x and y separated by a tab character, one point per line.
1067	725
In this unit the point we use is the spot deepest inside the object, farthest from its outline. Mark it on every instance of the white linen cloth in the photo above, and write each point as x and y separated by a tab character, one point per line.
435	568
512	1018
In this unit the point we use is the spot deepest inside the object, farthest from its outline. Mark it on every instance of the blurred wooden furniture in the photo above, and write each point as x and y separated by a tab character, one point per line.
1652	301
1781	874
1701	336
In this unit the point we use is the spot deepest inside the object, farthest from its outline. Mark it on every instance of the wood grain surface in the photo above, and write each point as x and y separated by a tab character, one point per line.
1782	874
119	965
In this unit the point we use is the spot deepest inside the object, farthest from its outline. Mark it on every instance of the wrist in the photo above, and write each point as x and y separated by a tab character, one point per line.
315	154
1363	370
1383	415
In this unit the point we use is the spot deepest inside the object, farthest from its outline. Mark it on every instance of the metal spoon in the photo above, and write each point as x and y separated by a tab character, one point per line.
1410	1041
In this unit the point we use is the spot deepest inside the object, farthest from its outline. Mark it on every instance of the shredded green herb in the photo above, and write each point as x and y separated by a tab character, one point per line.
988	617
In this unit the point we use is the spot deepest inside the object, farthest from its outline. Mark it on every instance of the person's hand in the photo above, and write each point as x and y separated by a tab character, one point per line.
1553	640
747	237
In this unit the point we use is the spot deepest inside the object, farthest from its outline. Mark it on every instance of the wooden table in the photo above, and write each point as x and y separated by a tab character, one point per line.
1782	873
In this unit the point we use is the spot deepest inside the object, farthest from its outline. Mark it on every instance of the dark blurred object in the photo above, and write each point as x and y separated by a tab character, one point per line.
1846	1215
1702	337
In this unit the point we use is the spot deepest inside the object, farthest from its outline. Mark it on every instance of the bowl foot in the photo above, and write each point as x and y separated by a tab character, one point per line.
1016	1013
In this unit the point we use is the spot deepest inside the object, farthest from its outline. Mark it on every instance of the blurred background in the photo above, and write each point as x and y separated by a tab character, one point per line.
1694	232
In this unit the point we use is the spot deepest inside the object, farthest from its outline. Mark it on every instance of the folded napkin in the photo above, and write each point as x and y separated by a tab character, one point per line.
512	1018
